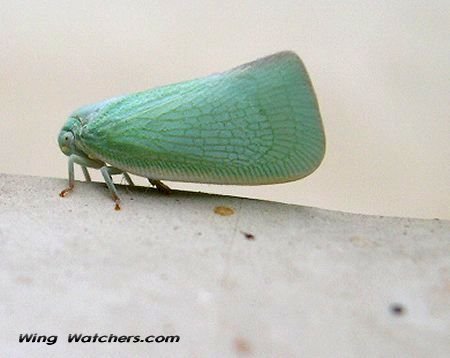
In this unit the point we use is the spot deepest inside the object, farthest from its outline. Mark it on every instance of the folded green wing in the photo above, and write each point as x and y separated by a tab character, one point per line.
258	123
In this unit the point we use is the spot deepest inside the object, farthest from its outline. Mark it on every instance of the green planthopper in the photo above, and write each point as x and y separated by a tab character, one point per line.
255	124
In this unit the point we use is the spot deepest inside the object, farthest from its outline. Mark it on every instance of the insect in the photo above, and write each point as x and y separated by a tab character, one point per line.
255	124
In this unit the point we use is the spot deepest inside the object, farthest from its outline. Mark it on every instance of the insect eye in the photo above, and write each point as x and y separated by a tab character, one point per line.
67	138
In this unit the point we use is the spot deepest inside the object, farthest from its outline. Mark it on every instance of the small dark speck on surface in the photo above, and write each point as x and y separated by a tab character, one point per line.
248	235
397	309
241	345
223	210
25	280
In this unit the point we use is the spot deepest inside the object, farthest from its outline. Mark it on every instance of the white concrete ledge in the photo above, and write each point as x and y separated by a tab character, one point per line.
304	282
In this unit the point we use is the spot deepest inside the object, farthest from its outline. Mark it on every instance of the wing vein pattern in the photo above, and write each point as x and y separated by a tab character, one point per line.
258	123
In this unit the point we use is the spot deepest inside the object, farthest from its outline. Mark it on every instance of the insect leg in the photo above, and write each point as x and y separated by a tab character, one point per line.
71	179
114	171
84	162
107	173
86	174
128	179
163	188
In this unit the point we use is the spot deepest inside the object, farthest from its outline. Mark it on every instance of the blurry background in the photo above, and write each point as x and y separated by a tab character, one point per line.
381	71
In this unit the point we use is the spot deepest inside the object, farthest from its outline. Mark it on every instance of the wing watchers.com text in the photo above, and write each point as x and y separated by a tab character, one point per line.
96	338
